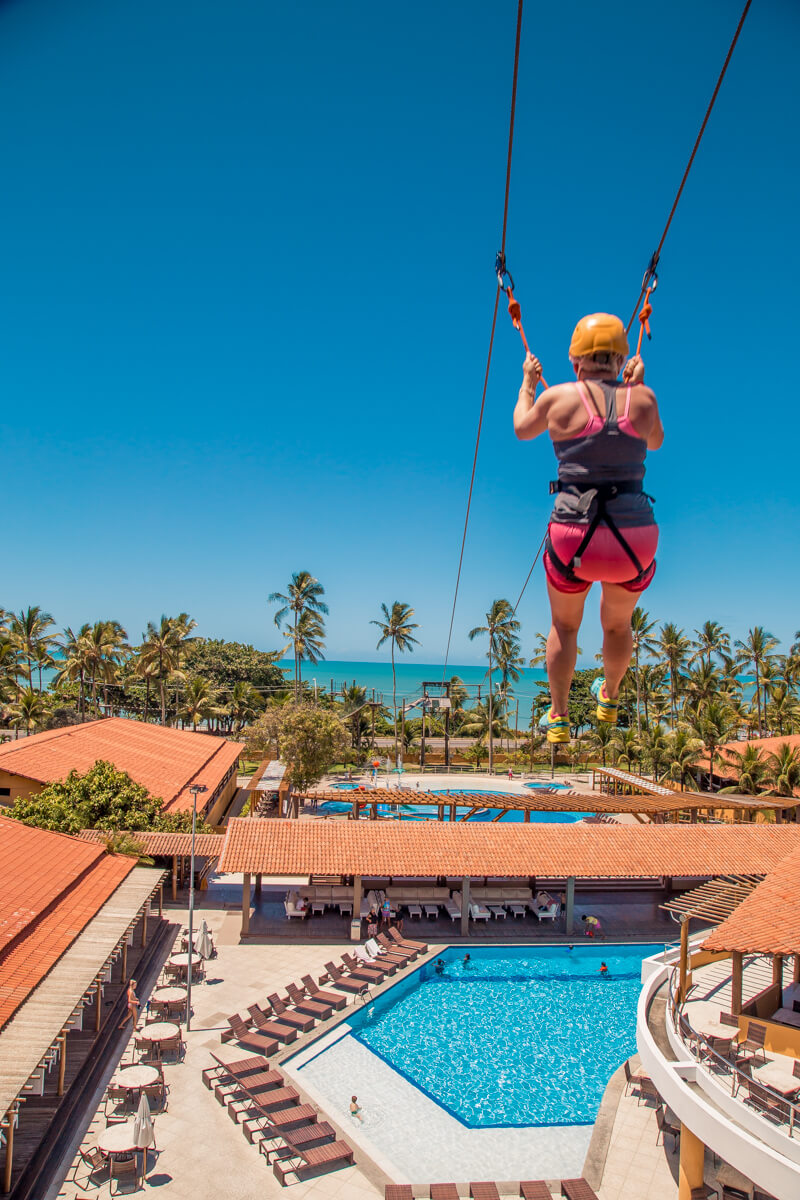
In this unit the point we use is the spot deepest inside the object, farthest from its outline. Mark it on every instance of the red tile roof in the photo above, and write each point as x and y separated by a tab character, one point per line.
765	746
165	761
207	845
768	921
424	848
51	886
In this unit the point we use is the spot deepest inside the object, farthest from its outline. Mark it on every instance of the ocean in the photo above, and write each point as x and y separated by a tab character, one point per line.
410	677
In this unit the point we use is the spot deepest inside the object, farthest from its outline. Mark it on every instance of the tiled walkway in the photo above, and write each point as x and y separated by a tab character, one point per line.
636	1168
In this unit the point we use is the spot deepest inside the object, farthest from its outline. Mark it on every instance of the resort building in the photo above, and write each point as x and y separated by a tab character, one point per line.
168	762
73	928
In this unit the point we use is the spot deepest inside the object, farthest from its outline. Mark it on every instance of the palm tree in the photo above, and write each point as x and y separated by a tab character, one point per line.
783	709
682	749
754	652
629	750
163	650
711	639
673	648
643	643
651	690
73	662
244	705
305	637
702	684
600	739
749	767
146	667
396	628
199	701
104	646
783	769
656	747
714	725
304	594
28	630
29	709
502	628
539	656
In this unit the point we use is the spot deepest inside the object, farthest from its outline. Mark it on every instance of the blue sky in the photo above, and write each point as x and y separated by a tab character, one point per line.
247	285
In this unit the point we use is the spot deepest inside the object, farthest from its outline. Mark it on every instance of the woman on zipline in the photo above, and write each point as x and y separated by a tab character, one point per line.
602	528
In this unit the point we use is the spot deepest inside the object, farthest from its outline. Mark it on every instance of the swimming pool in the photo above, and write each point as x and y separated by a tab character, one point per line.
518	1037
427	812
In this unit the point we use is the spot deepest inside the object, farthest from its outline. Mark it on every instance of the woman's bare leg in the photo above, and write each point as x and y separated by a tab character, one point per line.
566	609
616	609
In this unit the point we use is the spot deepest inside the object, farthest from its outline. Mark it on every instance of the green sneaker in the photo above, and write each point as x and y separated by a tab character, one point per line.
557	727
607	709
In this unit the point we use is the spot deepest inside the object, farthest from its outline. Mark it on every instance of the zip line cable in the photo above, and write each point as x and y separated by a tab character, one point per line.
491	336
650	274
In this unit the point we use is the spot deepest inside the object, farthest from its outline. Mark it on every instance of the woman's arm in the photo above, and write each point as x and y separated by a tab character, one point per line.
530	414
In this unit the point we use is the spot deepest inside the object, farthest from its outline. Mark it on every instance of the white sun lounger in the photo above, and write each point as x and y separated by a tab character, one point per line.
453	907
479	912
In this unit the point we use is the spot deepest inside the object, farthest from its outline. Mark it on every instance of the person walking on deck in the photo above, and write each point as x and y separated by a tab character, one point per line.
602	528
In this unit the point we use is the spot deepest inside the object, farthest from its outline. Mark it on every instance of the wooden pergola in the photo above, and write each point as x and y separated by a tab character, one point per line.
657	802
615	783
713	902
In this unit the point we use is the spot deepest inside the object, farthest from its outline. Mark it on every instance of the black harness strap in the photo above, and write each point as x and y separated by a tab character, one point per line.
604	492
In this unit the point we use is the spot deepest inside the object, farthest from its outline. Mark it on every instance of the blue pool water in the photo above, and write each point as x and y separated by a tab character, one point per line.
427	812
519	1037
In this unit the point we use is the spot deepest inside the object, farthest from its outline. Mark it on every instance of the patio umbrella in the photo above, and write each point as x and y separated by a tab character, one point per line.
144	1133
203	945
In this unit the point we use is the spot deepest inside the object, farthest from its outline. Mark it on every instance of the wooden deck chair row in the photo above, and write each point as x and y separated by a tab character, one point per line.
345	983
316	993
238	1067
281	1030
404	941
239	1031
238	1095
319	1009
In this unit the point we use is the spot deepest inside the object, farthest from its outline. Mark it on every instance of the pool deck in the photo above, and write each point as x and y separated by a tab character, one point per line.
202	1154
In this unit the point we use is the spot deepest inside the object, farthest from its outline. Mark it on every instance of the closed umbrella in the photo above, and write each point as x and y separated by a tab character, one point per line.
203	946
144	1133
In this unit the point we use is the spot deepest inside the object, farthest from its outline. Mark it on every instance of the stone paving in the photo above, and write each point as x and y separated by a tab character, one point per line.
635	1166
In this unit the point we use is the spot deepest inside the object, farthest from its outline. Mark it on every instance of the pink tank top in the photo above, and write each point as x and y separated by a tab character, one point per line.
595	422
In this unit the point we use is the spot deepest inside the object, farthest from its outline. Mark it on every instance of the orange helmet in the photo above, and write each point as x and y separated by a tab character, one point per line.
599	333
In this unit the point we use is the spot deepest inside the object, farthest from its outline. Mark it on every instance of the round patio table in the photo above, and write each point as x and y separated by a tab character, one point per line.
135	1078
118	1139
182	961
170	995
159	1031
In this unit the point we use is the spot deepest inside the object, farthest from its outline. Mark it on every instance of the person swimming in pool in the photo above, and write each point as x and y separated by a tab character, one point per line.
440	966
602	528
467	961
603	969
356	1111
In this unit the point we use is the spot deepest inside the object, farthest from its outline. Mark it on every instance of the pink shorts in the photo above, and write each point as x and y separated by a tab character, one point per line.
604	560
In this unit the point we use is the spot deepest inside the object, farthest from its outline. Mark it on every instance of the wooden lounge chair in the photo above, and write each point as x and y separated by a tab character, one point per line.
362	970
410	951
401	941
376	950
281	1030
301	1021
577	1189
398	1191
245	1037
535	1189
340	980
753	1044
303	1161
289	1118
316	993
388	963
262	1103
272	1141
302	1003
232	1070
239	1092
444	1191
484	1191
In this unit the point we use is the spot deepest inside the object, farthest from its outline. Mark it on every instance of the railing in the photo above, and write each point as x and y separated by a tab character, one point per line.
700	1048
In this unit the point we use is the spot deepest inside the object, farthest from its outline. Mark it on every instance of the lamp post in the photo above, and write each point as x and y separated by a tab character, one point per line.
195	789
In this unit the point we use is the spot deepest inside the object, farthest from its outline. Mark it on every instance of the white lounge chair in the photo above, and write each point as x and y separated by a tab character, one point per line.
546	914
453	907
479	912
290	906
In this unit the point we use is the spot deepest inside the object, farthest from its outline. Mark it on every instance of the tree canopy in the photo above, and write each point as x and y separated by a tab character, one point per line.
102	798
